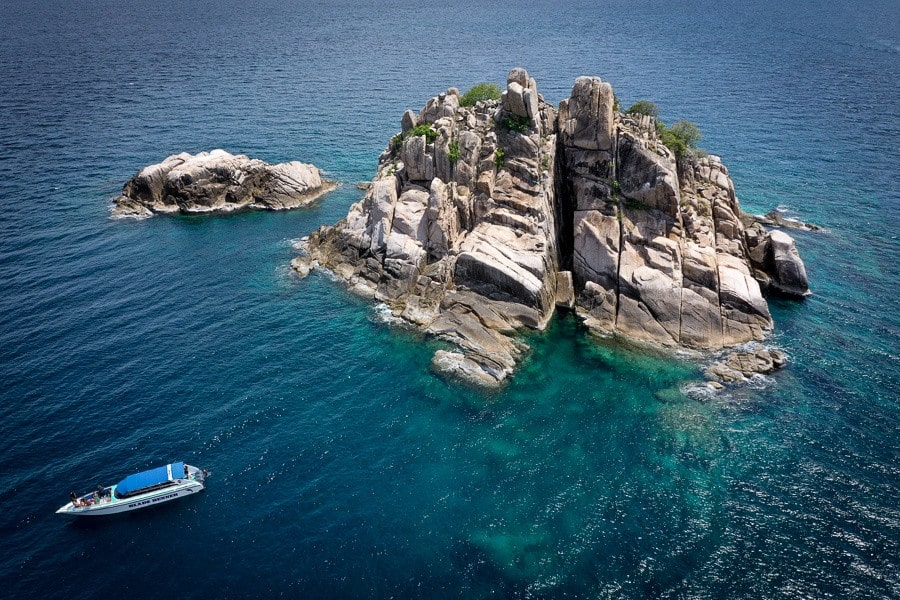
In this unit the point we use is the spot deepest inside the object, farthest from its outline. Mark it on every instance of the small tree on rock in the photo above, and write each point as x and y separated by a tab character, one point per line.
644	107
681	138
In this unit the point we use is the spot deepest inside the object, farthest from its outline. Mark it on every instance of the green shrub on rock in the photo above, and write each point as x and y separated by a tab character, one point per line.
681	138
499	158
453	151
516	123
479	92
424	129
644	107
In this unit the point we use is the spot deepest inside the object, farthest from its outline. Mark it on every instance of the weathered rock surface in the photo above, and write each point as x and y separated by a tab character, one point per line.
211	182
482	229
659	253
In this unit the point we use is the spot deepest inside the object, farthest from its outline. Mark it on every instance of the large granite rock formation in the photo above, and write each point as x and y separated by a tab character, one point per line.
217	181
501	212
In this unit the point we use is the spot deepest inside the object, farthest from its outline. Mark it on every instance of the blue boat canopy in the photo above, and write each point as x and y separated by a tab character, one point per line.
144	479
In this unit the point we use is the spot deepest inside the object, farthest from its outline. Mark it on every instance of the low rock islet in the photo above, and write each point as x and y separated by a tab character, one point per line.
218	182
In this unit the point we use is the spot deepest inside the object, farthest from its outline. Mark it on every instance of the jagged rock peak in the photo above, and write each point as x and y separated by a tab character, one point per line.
499	213
216	181
586	119
521	95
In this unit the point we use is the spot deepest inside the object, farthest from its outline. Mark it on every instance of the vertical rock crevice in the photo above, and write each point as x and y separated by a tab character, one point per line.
620	216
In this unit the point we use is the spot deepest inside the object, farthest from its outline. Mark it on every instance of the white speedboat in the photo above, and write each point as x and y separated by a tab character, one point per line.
140	490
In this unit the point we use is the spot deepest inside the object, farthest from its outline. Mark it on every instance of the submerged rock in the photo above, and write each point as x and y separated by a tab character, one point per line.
506	210
214	182
775	218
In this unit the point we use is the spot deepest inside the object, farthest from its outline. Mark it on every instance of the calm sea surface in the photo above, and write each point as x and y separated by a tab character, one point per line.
341	467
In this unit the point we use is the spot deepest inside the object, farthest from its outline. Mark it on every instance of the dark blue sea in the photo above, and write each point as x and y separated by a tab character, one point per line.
341	467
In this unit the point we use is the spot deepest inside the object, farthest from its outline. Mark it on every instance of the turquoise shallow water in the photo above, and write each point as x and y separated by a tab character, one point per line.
341	467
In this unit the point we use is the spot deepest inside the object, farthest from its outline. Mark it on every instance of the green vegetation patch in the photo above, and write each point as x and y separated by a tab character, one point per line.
681	138
516	123
635	204
453	151
479	92
499	158
423	129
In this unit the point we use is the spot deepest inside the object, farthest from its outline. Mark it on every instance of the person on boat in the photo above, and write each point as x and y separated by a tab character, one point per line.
74	498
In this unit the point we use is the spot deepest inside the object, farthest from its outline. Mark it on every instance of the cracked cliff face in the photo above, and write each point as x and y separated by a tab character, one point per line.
481	220
658	257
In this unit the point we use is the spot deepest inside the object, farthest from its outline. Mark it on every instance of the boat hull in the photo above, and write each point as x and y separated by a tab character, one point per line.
92	505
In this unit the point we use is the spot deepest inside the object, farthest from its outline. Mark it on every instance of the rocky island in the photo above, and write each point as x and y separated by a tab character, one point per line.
216	182
482	220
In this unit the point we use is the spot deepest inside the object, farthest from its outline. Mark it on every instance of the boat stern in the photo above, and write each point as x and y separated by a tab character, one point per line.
196	474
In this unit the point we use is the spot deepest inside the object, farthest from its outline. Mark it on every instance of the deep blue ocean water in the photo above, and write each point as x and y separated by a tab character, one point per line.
341	467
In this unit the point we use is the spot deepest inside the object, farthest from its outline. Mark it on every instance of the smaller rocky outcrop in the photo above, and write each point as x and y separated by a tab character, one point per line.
217	182
775	218
743	364
776	263
789	273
